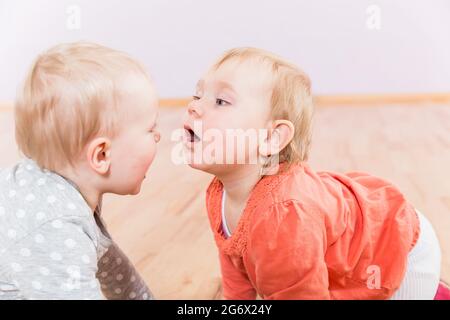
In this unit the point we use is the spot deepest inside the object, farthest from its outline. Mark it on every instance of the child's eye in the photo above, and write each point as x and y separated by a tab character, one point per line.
221	102
195	98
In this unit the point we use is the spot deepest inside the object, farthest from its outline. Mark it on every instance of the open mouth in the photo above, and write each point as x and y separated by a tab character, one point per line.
190	134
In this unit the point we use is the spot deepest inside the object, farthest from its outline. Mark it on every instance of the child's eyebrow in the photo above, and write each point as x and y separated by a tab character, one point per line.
154	123
219	84
225	85
200	84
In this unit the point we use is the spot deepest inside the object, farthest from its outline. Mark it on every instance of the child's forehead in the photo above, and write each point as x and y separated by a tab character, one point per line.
132	85
137	97
238	75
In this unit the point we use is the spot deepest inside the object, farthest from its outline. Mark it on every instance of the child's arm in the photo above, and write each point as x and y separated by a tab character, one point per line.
235	283
288	247
119	279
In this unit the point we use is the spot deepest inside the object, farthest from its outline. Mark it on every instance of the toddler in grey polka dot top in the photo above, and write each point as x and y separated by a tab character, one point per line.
53	247
85	122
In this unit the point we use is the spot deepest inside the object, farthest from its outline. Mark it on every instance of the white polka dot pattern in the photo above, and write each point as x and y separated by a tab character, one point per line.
54	248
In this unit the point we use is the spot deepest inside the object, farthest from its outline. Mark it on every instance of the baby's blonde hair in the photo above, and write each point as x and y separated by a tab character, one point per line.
291	98
68	97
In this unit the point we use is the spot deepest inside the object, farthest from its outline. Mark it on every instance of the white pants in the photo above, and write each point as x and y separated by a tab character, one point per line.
424	266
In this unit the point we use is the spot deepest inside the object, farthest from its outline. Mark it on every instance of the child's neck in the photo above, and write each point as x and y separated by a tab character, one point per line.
238	184
84	184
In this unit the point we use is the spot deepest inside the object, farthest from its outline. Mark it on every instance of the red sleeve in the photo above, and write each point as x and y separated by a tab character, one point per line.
287	246
235	283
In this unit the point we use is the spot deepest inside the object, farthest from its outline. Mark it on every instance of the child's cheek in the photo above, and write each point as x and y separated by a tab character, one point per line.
149	156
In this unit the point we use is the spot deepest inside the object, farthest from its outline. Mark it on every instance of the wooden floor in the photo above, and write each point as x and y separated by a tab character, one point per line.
165	230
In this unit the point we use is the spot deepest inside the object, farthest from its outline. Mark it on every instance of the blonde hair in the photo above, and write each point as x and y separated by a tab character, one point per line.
291	98
68	97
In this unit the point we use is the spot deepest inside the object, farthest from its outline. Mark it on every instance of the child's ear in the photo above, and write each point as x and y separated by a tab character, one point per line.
277	138
99	155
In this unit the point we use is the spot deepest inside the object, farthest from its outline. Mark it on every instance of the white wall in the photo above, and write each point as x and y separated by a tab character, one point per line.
178	39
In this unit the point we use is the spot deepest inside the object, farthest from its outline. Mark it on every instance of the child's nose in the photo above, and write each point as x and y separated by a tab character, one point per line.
195	110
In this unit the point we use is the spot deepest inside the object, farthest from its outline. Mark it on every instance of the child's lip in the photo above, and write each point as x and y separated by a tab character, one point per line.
191	136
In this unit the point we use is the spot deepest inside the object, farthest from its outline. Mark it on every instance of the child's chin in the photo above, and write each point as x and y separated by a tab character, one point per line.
136	191
208	168
201	166
133	191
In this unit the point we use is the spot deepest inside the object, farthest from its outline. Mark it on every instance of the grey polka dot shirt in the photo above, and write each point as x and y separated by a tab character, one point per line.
52	246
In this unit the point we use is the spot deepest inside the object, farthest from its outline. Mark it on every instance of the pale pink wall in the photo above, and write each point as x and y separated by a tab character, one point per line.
178	39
